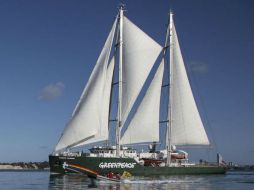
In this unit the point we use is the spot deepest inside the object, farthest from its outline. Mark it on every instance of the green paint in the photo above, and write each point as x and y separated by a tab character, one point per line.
119	165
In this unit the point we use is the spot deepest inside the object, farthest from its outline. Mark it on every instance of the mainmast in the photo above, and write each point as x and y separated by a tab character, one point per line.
119	121
170	120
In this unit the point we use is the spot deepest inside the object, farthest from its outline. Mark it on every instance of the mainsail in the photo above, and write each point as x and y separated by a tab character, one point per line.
139	55
186	126
91	112
144	126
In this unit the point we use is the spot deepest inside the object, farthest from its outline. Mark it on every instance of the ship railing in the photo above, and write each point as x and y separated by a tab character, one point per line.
73	154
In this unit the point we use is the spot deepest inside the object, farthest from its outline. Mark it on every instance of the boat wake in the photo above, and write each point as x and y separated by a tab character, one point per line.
140	181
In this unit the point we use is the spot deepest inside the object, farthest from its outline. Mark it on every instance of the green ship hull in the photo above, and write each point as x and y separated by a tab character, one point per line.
102	166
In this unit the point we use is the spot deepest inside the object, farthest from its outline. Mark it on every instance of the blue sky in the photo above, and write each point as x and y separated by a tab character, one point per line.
48	50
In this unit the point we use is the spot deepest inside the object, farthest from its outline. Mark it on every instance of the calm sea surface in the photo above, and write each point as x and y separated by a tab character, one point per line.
35	180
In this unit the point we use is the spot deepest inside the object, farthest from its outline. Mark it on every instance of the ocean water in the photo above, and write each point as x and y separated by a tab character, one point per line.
42	180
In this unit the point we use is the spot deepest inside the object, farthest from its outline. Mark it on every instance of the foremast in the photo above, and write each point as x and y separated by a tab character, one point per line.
119	120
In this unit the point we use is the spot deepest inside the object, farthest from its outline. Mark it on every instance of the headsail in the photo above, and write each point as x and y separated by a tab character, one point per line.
144	126
89	116
102	133
139	55
187	127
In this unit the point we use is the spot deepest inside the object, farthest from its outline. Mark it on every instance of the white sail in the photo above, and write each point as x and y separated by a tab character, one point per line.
144	127
187	127
139	54
89	115
102	133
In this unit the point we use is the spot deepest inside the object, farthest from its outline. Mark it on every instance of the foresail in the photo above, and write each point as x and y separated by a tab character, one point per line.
139	54
187	127
102	133
144	126
89	115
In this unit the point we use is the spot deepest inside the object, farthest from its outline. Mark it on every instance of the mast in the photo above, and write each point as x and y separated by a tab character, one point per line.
119	121
170	120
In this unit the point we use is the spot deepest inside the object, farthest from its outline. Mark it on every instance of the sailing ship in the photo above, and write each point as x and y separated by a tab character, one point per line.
131	54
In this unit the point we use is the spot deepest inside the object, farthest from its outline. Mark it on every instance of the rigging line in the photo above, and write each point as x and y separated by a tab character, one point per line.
115	83
142	144
165	85
164	121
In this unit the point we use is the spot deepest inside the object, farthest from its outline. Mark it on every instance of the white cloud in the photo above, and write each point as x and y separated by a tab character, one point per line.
199	67
51	91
